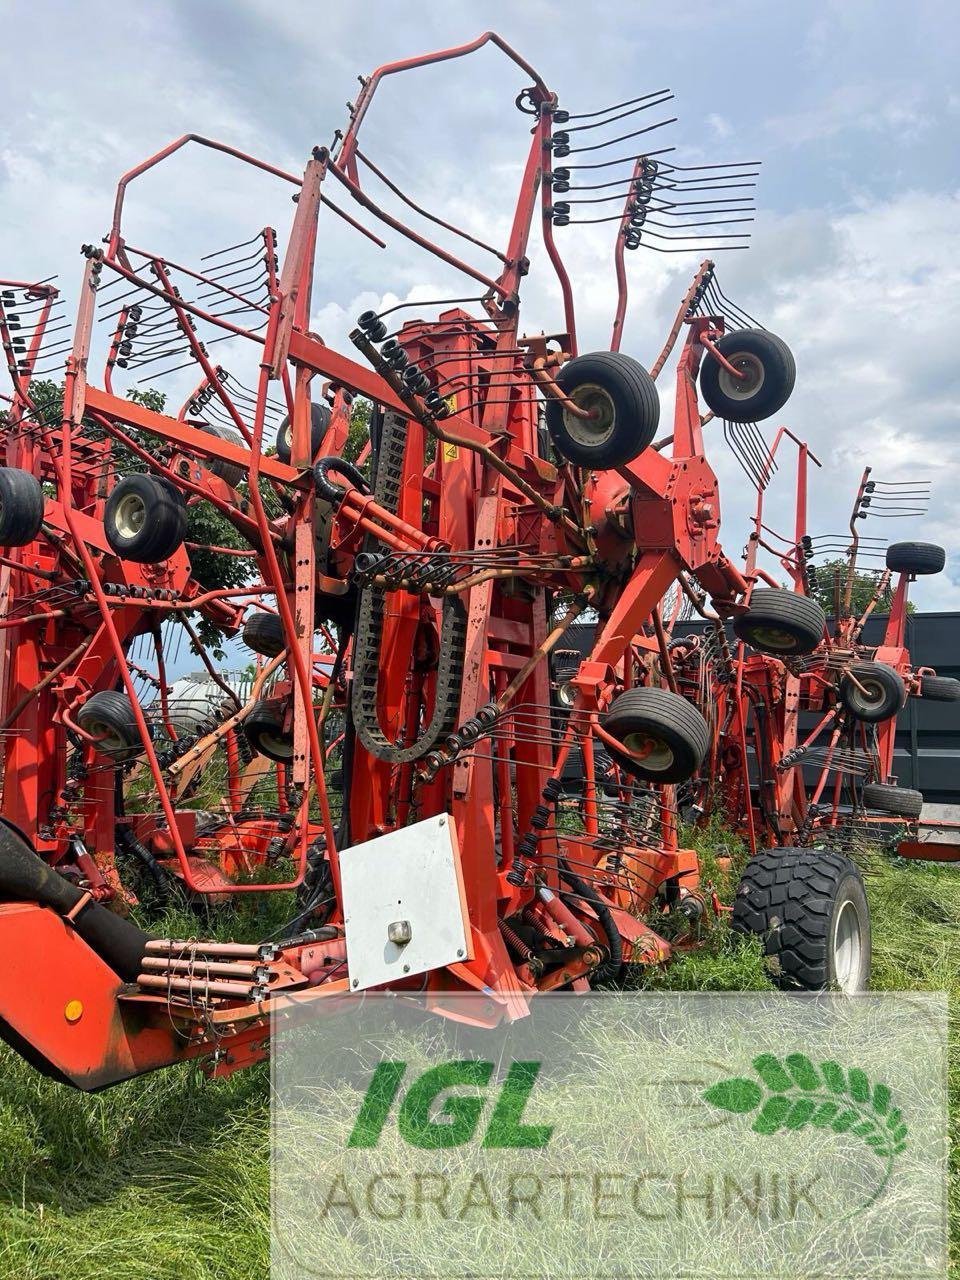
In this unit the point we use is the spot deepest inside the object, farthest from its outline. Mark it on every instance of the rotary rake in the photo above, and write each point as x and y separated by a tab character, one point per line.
804	712
396	752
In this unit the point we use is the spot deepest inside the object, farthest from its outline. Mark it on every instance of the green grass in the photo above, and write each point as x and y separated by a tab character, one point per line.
167	1176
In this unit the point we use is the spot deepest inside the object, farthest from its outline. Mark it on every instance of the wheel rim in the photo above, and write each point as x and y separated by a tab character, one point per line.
774	638
130	515
871	695
108	739
590	431
566	694
847	948
653	753
276	746
747	386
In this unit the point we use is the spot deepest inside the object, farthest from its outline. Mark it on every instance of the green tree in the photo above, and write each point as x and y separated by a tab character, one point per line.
832	572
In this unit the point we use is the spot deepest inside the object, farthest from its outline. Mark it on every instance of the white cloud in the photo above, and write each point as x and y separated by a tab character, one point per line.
874	338
866	294
872	108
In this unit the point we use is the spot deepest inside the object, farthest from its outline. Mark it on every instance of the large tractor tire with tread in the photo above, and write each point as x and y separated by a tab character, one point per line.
145	519
21	507
320	416
899	802
885	692
623	397
810	909
665	737
768	369
781	623
916	557
108	717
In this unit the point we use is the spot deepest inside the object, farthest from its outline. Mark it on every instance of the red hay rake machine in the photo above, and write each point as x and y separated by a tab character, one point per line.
396	754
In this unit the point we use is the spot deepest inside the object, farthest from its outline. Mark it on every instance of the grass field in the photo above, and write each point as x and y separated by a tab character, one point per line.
167	1178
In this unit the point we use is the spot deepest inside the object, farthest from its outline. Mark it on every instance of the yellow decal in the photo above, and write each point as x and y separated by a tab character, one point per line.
450	451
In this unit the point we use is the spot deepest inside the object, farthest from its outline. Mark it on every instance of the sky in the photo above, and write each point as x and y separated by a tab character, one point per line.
853	108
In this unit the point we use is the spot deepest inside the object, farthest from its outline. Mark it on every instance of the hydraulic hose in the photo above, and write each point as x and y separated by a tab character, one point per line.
610	970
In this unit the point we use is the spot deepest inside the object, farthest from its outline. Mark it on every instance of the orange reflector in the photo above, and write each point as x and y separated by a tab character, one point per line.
73	1010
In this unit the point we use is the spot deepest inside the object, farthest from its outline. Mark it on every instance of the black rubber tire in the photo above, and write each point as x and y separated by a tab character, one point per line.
940	688
145	519
888	692
320	416
901	802
21	507
916	557
781	622
627	394
230	473
108	715
793	899
263	633
660	717
564	664
265	733
764	354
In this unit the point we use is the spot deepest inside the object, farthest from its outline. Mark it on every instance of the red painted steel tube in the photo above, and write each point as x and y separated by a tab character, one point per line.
169	150
371	83
363	199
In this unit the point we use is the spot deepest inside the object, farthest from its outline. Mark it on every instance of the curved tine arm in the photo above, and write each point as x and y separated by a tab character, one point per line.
169	150
348	143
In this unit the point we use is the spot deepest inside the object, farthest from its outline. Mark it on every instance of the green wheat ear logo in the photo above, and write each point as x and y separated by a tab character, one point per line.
793	1094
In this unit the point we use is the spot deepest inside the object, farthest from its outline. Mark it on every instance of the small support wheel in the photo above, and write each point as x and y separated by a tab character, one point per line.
940	688
263	633
768	373
230	473
621	396
21	507
810	909
920	558
781	622
108	717
266	732
145	519
320	416
665	737
882	695
900	802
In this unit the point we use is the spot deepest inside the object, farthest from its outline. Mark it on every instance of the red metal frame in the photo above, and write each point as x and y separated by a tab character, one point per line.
481	535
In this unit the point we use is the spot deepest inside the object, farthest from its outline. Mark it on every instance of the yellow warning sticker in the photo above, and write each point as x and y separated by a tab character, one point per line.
450	451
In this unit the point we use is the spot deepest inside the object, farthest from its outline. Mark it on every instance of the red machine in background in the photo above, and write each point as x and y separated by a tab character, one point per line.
398	759
803	743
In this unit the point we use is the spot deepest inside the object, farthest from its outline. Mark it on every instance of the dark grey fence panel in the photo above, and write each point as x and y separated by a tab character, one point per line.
927	751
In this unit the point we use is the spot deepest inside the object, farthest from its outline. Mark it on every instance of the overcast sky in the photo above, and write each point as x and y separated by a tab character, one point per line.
852	106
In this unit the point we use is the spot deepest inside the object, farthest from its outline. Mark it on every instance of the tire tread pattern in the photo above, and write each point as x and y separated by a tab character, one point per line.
786	897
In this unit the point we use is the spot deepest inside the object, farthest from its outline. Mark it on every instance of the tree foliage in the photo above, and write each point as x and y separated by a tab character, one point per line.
833	572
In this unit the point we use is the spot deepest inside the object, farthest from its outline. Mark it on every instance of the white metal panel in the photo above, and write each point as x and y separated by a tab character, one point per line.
409	877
